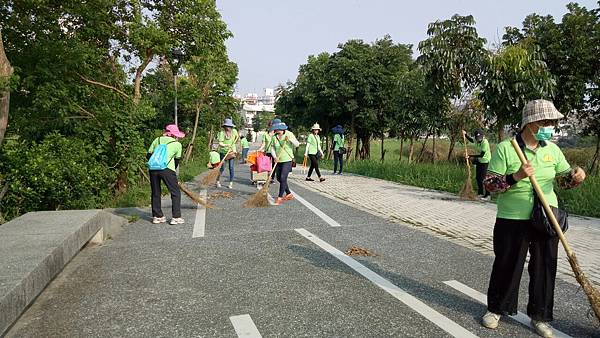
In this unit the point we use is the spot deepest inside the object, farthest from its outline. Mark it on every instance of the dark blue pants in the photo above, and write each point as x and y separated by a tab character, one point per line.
245	154
283	170
337	157
170	178
231	163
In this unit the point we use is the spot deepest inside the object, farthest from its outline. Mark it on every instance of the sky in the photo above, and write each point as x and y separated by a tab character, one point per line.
272	38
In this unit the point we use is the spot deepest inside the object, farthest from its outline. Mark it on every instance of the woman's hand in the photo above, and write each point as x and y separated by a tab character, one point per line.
578	175
525	171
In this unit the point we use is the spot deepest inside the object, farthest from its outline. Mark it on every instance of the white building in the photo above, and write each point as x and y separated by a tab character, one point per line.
253	104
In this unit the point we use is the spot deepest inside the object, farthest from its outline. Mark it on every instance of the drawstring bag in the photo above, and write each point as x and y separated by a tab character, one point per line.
540	221
160	158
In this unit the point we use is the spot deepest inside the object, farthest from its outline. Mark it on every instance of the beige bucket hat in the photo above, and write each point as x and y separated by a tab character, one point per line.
539	110
315	126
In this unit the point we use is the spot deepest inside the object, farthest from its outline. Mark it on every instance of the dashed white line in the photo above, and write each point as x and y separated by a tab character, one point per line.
423	309
244	326
200	221
480	297
317	212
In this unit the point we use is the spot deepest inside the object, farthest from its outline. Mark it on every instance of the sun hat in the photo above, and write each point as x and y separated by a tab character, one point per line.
228	123
214	146
280	126
539	110
479	133
315	126
337	129
173	130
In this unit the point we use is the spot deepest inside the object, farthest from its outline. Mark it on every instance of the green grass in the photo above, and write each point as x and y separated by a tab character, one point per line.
138	195
450	176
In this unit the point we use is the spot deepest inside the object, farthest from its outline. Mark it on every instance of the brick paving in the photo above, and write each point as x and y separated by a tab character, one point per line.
468	223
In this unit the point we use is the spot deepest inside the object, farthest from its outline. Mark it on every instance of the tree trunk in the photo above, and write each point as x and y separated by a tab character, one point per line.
190	148
594	165
382	147
137	85
452	143
423	147
433	153
5	73
411	150
358	148
401	146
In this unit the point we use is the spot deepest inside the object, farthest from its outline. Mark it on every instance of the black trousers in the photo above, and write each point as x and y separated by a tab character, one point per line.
337	157
512	240
283	170
314	165
170	178
480	171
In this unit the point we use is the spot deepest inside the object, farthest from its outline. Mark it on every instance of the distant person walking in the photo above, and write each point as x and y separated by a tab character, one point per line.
314	152
228	138
163	160
338	149
282	145
245	147
514	233
267	138
481	160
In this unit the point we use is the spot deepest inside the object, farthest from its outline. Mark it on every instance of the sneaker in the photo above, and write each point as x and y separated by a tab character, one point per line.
158	220
279	201
542	328
340	174
288	197
230	186
176	221
321	179
490	320
309	179
218	184
485	198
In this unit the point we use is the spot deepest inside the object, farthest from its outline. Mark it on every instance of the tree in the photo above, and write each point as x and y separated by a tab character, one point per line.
6	72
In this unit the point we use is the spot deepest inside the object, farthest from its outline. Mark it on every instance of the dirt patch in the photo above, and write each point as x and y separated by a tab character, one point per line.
358	251
221	195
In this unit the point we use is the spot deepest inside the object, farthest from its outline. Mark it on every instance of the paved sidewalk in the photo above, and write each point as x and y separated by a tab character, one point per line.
468	223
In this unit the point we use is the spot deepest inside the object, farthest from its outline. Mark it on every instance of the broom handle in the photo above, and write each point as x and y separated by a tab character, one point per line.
542	198
228	152
467	154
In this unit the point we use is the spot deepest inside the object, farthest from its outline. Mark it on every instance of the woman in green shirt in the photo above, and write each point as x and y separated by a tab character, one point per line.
314	152
228	138
481	159
245	147
338	143
282	150
514	235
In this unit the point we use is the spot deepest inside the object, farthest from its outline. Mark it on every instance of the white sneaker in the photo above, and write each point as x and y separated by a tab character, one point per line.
486	198
230	186
158	220
176	221
218	184
543	329
490	320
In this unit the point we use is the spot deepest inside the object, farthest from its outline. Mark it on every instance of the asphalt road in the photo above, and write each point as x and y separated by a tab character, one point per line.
252	271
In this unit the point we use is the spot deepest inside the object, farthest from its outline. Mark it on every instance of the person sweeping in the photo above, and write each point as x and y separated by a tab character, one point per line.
282	150
163	159
481	160
338	149
228	137
517	230
314	152
245	147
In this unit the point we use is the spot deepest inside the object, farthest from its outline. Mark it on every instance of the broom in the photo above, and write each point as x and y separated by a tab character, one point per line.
467	189
260	198
197	199
592	293
213	176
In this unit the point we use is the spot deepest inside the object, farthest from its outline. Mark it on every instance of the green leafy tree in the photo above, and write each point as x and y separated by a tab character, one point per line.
6	72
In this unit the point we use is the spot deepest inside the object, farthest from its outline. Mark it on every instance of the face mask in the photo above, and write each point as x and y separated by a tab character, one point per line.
544	133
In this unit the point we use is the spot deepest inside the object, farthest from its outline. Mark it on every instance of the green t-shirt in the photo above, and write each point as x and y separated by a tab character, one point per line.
225	143
483	146
214	157
266	142
548	162
338	139
174	149
286	154
313	143
245	143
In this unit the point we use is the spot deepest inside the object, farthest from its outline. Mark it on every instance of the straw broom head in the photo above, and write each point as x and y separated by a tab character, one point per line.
212	176
260	199
467	190
194	197
592	293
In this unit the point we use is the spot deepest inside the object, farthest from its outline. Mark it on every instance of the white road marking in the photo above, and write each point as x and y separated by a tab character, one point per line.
480	297
318	212
432	315
200	221
244	326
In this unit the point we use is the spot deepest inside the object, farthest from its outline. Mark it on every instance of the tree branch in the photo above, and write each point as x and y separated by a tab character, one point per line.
103	85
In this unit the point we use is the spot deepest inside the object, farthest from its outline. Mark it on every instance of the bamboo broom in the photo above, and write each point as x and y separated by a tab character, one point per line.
592	293
260	199
197	199
467	189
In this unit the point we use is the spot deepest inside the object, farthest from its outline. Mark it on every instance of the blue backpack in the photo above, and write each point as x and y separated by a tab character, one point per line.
159	159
